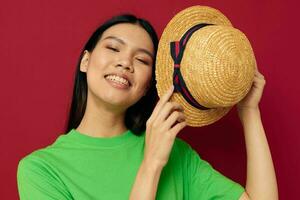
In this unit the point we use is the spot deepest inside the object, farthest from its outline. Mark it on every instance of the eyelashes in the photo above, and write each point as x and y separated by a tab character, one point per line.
143	61
114	49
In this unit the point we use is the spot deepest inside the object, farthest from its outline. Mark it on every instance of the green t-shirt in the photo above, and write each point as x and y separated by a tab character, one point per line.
81	167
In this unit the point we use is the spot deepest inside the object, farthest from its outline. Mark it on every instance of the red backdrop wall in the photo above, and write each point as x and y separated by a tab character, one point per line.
40	44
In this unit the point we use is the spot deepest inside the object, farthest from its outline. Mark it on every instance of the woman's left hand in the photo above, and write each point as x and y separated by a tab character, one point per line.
252	99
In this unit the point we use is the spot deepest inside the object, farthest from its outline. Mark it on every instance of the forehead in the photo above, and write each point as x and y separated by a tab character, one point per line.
132	34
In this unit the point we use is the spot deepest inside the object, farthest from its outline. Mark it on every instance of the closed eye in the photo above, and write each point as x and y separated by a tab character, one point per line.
143	61
113	49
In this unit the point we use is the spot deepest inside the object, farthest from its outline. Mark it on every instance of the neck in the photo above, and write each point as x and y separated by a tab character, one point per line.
101	120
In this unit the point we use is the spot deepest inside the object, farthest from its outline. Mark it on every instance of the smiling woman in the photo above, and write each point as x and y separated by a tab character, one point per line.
115	49
123	54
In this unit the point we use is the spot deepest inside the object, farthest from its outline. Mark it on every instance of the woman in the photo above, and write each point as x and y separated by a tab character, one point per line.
121	144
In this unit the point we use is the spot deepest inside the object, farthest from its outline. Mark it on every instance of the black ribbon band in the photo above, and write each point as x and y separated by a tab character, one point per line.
177	49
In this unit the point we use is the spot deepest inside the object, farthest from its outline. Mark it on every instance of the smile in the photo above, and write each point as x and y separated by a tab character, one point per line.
117	79
117	82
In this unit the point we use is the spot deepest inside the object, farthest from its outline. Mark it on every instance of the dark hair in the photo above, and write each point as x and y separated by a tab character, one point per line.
136	115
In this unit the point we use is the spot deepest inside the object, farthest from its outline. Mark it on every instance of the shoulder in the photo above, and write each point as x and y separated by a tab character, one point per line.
38	158
33	168
33	161
183	147
39	166
38	178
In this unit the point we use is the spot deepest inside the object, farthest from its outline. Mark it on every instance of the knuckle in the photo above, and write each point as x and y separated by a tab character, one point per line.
178	106
171	105
155	124
175	104
174	114
177	114
183	117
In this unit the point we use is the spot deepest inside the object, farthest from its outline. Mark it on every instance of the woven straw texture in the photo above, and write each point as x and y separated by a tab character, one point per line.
218	64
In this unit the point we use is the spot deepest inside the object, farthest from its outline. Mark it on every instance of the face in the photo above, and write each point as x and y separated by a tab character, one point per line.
119	69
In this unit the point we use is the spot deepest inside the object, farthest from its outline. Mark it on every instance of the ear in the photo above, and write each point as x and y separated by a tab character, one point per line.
84	61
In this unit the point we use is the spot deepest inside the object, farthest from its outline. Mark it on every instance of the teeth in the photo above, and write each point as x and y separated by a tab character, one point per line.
117	79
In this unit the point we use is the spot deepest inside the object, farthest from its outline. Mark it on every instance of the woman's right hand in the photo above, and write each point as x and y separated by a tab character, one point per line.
162	129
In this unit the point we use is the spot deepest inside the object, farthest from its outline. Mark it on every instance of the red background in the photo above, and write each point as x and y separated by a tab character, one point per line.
40	44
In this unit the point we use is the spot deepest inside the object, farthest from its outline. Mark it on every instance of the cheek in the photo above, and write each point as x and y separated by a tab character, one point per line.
94	74
99	62
145	77
98	66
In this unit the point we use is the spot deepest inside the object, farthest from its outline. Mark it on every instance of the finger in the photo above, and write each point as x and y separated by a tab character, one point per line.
259	80
162	102
177	128
258	74
176	116
167	110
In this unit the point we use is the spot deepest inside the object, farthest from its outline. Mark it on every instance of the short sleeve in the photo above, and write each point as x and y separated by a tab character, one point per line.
36	180
207	183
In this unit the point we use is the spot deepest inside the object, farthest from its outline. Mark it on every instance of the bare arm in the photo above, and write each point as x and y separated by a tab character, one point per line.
261	179
145	185
159	139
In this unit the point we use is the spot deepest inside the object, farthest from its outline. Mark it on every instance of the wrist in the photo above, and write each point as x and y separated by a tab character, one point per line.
146	182
151	167
248	112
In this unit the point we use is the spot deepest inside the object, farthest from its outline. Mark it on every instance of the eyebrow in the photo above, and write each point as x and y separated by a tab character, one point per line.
122	42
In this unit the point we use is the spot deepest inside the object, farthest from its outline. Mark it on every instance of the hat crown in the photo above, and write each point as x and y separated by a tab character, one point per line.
220	63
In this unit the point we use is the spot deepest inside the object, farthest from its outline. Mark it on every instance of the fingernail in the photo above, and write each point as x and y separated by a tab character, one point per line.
172	87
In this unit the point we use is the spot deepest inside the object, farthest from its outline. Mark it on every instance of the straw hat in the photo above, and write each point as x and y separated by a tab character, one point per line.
210	63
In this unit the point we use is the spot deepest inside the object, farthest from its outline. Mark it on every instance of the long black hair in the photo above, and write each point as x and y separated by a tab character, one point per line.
137	115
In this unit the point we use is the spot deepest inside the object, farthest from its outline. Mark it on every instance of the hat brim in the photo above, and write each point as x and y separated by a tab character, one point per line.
174	30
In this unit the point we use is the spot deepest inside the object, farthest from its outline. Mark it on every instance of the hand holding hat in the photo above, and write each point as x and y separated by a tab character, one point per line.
252	99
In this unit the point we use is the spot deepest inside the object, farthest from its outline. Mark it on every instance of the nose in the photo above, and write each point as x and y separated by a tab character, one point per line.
125	63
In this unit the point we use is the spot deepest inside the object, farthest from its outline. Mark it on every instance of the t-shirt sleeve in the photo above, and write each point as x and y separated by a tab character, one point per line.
206	183
36	180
